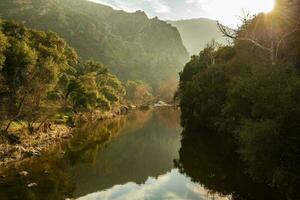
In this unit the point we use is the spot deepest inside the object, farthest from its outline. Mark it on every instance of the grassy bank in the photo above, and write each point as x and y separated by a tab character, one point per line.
25	144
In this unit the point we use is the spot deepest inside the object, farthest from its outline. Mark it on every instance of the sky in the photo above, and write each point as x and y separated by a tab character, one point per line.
227	12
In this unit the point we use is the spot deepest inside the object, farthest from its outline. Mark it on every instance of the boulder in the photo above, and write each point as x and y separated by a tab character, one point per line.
23	173
132	107
30	185
161	104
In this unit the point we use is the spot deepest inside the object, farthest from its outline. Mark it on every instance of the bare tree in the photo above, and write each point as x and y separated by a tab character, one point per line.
274	42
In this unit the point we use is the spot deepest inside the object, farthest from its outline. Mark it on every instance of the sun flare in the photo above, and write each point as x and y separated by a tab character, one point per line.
267	6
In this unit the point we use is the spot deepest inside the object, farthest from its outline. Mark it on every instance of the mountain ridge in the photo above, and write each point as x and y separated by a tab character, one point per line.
133	46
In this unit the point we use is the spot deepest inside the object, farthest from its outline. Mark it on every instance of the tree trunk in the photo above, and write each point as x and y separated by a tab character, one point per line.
30	127
20	107
8	125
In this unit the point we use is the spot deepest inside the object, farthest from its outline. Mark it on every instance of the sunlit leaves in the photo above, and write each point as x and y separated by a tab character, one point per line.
32	62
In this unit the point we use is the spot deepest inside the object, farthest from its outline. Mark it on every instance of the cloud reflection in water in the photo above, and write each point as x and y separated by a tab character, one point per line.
171	186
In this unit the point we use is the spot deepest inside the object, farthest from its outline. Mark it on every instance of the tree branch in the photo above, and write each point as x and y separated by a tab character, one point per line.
255	43
233	36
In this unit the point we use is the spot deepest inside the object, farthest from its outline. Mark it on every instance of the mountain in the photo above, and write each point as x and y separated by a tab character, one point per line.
133	46
196	33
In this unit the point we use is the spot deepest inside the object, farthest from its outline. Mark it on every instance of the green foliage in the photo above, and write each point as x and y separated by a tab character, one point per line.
251	92
40	76
89	86
133	46
203	86
32	63
103	102
138	92
267	105
83	93
111	87
3	46
109	93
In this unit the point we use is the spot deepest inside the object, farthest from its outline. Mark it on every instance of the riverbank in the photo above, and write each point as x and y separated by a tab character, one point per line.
51	134
32	145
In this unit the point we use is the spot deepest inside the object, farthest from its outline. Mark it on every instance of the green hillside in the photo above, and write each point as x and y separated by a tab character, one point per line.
196	33
132	45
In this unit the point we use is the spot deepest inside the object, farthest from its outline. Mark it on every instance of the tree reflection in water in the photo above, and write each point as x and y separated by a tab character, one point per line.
211	160
138	161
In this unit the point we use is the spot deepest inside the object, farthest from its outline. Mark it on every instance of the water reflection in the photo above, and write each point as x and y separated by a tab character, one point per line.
211	159
131	157
100	156
140	156
172	185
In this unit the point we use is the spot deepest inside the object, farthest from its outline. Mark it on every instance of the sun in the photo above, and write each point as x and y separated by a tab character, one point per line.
266	6
258	6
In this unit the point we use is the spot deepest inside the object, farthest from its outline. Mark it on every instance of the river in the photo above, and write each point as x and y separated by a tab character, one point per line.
139	156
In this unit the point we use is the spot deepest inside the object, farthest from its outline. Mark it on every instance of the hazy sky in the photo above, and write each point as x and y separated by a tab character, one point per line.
226	11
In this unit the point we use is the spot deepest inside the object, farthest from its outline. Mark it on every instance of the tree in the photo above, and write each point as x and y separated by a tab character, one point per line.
250	94
89	86
265	32
111	87
33	62
138	92
4	45
3	84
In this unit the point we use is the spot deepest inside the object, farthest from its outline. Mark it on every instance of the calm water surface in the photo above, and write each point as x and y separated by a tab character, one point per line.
140	156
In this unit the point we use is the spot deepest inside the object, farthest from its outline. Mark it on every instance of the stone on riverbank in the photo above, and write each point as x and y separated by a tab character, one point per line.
23	173
30	185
